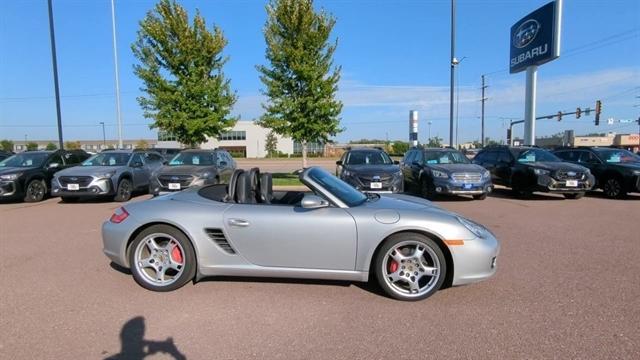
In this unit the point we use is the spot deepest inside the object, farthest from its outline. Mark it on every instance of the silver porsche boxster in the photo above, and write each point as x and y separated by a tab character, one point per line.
335	232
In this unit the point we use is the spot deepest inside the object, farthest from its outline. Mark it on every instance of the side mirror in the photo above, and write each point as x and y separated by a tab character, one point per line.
137	164
165	162
396	162
223	163
415	163
310	201
339	162
54	166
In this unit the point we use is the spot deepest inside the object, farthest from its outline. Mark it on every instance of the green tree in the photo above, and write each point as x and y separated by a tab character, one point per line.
301	80
72	145
142	144
434	142
490	142
271	144
6	145
400	147
181	69
32	146
51	146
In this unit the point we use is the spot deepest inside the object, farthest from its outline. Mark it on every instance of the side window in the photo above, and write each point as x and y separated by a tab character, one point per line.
588	158
564	155
419	158
408	157
491	157
71	158
504	156
136	158
479	157
57	158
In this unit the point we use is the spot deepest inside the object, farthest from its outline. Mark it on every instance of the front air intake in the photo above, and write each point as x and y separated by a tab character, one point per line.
218	237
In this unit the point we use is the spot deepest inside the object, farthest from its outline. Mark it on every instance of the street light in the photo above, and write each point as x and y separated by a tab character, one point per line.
104	139
456	63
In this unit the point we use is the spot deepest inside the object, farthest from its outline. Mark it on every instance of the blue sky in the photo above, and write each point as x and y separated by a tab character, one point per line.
394	57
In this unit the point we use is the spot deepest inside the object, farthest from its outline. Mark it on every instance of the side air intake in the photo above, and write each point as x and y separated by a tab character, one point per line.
218	237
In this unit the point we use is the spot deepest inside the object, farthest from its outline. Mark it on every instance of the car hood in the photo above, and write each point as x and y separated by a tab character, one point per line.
11	170
87	170
400	202
553	166
373	169
184	169
452	168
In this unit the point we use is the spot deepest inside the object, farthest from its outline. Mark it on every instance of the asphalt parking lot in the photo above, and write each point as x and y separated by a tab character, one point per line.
567	286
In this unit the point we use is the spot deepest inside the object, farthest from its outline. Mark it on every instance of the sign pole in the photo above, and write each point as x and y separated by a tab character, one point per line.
530	106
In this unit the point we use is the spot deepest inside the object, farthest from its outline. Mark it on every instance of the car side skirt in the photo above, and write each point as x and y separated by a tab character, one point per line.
282	272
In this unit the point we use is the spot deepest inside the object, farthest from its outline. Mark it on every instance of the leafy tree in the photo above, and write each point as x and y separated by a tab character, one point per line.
271	144
181	68
400	147
51	146
368	141
434	142
301	81
142	144
72	145
32	146
490	142
6	145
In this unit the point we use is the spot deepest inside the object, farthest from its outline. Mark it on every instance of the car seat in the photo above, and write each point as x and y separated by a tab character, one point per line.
231	189
254	181
266	188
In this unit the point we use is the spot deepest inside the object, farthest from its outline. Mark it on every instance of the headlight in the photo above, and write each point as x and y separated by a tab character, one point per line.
13	176
439	174
541	172
475	228
636	172
486	174
105	175
205	175
347	173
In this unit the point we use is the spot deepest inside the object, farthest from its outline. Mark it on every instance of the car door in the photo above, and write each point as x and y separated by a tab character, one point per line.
504	166
290	236
54	164
417	164
589	160
406	167
489	160
141	172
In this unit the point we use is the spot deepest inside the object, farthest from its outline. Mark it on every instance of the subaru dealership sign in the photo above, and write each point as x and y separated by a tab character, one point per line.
535	39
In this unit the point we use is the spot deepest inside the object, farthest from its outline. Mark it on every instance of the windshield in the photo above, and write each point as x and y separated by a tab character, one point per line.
25	160
368	158
108	159
535	155
617	156
194	158
445	157
340	189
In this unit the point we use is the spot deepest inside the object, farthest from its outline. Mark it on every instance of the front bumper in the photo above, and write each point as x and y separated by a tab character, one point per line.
157	188
10	189
97	187
546	183
395	185
475	260
450	187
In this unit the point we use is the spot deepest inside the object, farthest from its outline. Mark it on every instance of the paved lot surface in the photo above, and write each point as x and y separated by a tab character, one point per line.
568	286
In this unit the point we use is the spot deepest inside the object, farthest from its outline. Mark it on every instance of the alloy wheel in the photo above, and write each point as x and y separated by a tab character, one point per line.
159	259
411	268
612	188
35	190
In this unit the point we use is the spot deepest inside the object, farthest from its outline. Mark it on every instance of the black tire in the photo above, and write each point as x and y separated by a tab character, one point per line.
393	241
35	191
69	199
123	191
189	258
574	196
480	197
613	188
426	190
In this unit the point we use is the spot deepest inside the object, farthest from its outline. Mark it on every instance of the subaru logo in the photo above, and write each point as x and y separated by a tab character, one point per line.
174	178
571	173
526	33
74	178
376	178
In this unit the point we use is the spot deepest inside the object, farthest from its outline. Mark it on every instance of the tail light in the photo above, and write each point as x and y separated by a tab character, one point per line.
119	215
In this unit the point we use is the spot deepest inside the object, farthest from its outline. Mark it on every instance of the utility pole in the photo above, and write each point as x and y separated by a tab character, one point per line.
54	63
482	118
453	72
115	60
104	138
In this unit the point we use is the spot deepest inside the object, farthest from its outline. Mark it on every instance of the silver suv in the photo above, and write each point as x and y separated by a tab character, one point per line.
116	173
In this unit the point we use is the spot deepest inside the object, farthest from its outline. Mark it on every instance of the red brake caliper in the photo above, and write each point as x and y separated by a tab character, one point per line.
176	254
393	266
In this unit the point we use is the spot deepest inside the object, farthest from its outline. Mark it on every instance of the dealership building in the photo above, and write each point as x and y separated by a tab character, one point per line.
624	141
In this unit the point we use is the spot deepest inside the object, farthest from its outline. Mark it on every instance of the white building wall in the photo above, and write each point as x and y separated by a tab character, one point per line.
255	140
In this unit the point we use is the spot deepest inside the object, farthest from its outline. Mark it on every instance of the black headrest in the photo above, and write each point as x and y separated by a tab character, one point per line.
266	188
254	180
231	190
243	190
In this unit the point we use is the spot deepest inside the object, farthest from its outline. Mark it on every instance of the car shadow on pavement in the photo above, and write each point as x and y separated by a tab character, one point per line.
133	346
100	199
119	268
598	194
508	194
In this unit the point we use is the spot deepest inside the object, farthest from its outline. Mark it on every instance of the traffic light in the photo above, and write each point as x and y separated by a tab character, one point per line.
559	115
598	110
578	113
509	136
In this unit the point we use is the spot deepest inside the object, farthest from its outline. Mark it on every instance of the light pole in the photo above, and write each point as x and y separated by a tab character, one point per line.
104	138
429	127
454	62
54	63
458	97
115	60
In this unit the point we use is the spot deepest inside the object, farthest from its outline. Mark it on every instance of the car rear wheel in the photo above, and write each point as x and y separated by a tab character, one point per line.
410	267
36	190
123	192
574	196
162	258
613	188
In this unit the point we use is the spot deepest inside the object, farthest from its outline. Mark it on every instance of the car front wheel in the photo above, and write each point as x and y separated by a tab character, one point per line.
124	190
410	267
162	258
36	191
613	188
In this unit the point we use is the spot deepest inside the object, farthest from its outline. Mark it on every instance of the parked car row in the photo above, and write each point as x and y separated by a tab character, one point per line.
431	172
117	174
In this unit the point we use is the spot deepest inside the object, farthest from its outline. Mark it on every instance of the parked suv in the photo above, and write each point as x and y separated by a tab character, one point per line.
617	171
371	170
193	168
116	173
529	169
4	154
436	171
28	175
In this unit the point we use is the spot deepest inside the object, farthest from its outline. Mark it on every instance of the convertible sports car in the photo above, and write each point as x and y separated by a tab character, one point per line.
335	232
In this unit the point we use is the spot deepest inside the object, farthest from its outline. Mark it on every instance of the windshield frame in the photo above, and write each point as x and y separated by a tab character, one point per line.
448	152
310	177
45	156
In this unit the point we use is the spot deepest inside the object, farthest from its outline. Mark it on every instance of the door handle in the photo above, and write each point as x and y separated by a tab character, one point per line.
238	222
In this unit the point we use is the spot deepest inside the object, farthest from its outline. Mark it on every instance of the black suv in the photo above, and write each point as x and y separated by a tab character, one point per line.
370	169
28	175
528	169
617	171
4	154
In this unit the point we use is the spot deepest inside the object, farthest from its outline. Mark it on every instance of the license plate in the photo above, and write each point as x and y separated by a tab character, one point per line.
73	186
376	185
468	186
174	186
572	183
